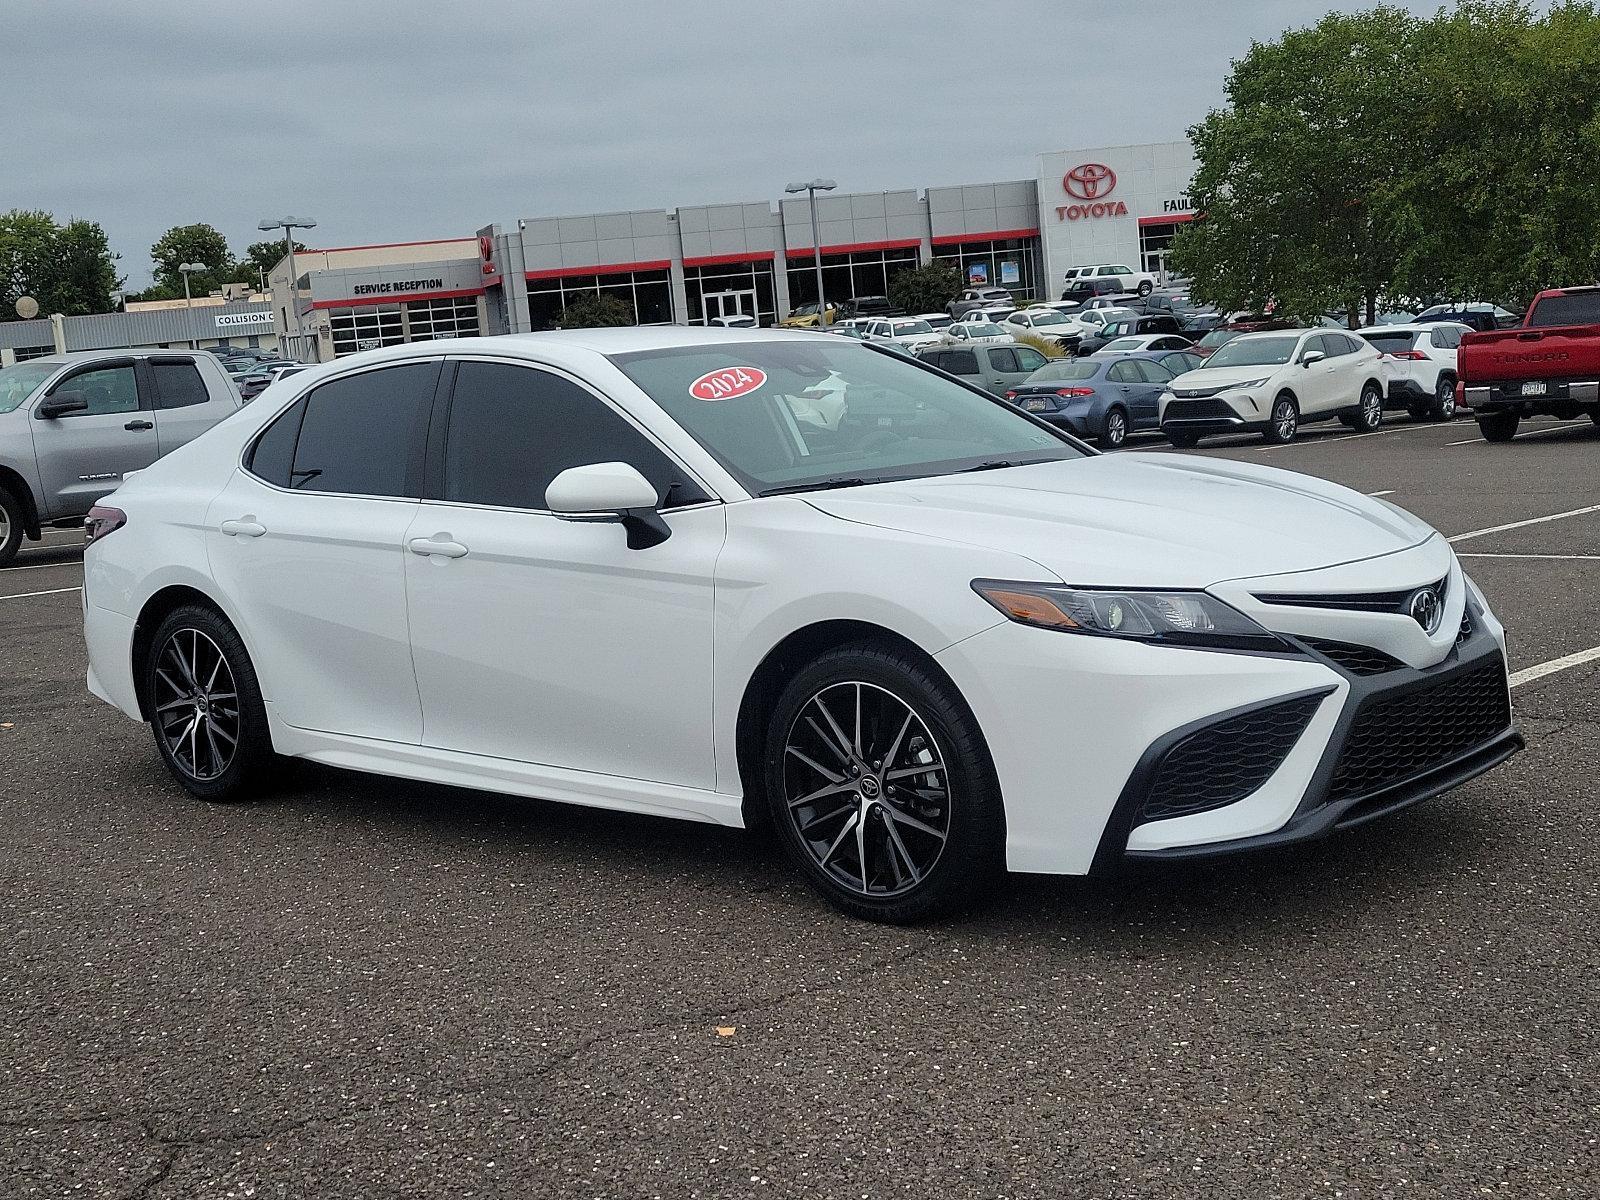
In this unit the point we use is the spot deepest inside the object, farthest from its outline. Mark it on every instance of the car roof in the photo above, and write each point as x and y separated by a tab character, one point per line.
81	356
1411	327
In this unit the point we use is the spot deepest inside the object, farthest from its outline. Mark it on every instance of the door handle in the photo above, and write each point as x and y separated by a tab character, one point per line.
137	425
243	527
440	544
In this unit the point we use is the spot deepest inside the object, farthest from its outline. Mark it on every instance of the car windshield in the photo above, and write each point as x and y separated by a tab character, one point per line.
984	329
1255	352
908	328
21	380
799	415
1048	318
1217	337
1078	368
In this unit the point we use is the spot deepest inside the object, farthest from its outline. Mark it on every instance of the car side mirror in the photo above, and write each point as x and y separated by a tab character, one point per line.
1311	356
63	404
612	491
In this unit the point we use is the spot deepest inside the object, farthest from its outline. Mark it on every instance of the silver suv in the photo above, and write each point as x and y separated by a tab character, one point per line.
72	425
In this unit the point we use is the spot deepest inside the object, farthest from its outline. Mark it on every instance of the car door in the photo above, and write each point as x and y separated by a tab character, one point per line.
1154	379
546	640
83	456
1126	386
1350	369
307	541
1002	370
184	407
1316	385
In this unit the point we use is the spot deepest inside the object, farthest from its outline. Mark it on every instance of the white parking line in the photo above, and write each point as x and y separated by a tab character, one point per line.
1468	442
1521	436
1343	437
1550	557
1529	674
1478	533
51	592
1390	492
66	562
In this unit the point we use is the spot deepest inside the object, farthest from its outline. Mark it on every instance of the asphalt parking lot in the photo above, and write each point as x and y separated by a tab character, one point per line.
370	988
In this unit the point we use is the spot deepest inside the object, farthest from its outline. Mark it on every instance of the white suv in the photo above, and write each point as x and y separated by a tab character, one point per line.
910	332
1273	381
1132	281
1419	362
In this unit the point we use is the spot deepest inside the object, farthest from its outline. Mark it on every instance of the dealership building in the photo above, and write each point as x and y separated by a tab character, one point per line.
690	265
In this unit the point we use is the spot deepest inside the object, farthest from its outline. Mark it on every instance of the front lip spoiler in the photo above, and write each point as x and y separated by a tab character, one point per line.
1327	818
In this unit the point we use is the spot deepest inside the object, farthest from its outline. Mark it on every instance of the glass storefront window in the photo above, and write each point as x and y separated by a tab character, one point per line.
847	276
1008	262
756	276
647	293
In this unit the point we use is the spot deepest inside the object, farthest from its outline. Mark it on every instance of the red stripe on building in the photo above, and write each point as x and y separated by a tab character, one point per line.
857	248
386	246
396	298
1000	235
1169	219
717	260
601	269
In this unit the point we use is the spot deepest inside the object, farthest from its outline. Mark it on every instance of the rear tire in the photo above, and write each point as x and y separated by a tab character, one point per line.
1283	423
933	839
204	706
1113	430
12	519
1499	426
1146	288
1369	413
1444	399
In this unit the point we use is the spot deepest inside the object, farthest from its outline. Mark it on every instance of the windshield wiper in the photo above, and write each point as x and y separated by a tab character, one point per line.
993	464
819	485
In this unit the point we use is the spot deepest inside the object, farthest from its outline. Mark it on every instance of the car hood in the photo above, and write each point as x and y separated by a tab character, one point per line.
1141	520
1202	378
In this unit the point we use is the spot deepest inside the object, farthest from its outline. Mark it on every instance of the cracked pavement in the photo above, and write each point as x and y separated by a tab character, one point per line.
368	988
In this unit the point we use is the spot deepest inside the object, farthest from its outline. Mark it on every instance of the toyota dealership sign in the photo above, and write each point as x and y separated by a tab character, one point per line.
1090	185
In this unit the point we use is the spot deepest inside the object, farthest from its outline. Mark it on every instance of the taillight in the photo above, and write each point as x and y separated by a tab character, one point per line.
1461	394
1074	391
1413	355
102	519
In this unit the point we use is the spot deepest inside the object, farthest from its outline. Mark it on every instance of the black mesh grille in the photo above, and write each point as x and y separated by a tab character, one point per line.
1227	761
1358	660
1395	738
1190	410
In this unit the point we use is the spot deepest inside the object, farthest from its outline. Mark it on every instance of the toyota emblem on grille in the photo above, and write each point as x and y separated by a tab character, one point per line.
1425	608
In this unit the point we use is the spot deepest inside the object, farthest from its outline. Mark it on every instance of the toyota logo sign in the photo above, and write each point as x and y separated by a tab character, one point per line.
1425	609
1089	181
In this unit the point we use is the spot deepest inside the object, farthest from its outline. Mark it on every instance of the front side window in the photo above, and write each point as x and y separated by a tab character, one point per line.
784	416
1028	358
1255	352
109	390
513	429
178	384
1003	359
20	380
362	434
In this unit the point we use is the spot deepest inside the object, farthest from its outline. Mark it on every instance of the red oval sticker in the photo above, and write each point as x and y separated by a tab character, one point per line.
727	383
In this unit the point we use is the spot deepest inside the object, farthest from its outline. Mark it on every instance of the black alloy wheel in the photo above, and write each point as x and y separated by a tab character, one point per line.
204	705
881	787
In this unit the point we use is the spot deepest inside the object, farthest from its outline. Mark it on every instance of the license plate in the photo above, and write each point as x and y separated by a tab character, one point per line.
1033	405
1534	389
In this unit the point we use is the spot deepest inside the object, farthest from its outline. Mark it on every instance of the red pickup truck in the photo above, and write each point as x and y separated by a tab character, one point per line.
1549	365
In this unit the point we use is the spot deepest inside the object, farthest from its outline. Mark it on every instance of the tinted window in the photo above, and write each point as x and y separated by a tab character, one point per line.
514	429
1389	342
1003	359
1152	371
107	389
361	434
1029	359
1574	308
1124	372
178	384
273	456
962	362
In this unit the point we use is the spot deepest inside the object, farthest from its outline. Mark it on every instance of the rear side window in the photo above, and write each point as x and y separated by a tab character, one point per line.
1152	371
961	362
363	435
514	429
273	456
1124	372
178	383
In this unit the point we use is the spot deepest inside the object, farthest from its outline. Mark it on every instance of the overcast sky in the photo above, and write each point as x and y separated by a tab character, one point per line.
398	120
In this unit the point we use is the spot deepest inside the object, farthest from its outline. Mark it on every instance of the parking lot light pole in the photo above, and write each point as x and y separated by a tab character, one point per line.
289	225
186	269
811	189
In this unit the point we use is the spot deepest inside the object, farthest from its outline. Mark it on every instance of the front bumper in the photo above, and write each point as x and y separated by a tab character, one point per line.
1227	412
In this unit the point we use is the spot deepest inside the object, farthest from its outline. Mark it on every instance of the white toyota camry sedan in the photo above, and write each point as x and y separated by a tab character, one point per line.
789	580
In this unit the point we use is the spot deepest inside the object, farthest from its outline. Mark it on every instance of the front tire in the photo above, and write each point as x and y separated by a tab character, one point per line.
204	706
12	519
881	788
1498	426
1113	430
1283	423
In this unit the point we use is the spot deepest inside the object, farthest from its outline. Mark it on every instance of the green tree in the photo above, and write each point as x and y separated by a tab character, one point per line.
927	288
259	259
1300	181
594	311
27	249
202	244
84	271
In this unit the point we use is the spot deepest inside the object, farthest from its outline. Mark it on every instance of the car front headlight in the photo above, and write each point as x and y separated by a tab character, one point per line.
1248	383
1179	618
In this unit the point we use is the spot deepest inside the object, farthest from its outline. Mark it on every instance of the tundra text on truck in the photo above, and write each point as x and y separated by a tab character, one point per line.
1550	365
